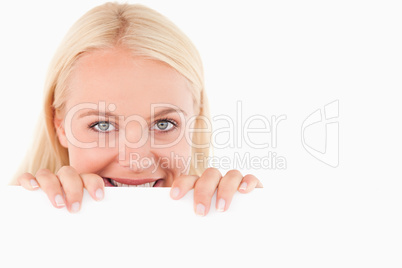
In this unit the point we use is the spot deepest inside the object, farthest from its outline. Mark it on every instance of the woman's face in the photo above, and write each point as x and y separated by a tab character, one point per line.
127	119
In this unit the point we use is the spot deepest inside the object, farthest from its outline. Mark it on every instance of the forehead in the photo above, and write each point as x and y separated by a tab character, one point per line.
132	84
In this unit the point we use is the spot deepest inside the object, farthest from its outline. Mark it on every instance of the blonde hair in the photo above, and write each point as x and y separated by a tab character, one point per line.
148	34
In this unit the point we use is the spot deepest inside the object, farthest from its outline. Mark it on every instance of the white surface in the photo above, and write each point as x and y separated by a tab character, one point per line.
286	224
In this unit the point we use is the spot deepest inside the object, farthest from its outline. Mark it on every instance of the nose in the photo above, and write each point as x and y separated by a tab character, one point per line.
134	148
137	162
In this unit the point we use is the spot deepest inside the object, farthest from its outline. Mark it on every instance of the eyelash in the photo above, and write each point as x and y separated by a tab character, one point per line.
169	120
92	125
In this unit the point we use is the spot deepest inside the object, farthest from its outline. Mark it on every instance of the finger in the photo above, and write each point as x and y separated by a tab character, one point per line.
248	184
204	189
72	186
94	185
181	185
50	184
227	188
28	181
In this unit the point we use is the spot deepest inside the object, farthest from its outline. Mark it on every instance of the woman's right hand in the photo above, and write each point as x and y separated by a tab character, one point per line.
66	187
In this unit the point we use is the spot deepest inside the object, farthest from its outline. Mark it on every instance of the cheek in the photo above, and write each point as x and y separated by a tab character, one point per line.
79	134
84	152
89	160
176	158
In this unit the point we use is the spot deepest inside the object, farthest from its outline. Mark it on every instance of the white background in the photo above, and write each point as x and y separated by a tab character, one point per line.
288	58
277	57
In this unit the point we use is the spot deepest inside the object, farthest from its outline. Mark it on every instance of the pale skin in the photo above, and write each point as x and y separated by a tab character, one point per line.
100	146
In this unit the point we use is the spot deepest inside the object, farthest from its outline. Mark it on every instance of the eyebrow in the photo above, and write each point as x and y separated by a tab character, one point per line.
109	114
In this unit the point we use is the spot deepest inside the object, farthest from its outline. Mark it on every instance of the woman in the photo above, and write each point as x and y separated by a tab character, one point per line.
125	105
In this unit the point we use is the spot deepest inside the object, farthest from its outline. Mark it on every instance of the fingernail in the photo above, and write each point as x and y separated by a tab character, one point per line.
75	207
34	184
243	186
200	210
175	192
99	194
59	201
221	205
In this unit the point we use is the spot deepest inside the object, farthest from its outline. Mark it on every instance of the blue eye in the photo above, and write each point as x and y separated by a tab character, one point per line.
164	125
103	126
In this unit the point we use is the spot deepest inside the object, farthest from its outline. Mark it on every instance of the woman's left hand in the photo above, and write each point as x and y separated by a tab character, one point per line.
205	186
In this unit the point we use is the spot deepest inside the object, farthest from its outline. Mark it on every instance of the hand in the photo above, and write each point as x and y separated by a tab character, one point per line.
205	186
65	188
